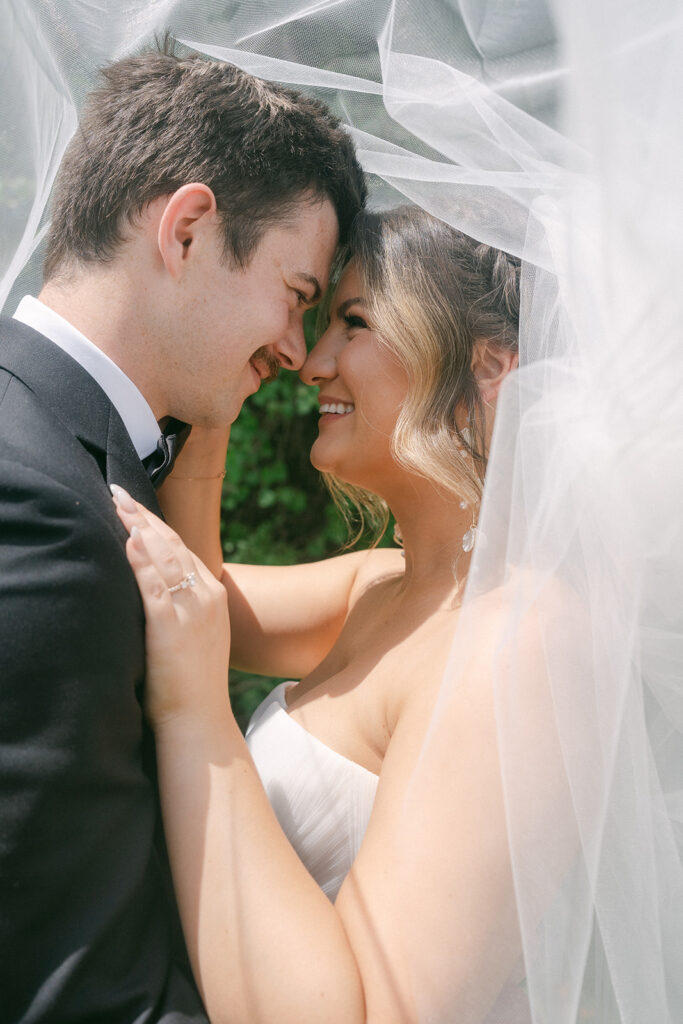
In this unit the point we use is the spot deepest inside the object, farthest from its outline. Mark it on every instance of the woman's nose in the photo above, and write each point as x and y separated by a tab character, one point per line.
321	362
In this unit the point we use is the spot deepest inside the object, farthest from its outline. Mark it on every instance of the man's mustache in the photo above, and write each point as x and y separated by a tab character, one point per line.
266	364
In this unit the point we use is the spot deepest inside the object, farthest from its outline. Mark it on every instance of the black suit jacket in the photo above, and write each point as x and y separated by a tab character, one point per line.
88	926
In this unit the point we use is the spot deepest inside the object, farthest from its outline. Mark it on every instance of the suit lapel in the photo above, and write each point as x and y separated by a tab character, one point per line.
125	470
79	403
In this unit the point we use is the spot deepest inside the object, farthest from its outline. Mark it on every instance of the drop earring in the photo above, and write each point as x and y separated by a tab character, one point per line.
470	535
467	432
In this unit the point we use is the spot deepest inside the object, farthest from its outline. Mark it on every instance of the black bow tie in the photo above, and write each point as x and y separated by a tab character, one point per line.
160	463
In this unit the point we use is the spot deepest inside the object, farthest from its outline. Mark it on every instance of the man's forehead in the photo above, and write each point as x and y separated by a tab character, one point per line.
306	243
320	235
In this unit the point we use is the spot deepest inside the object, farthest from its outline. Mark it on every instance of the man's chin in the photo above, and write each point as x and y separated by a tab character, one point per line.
233	407
217	419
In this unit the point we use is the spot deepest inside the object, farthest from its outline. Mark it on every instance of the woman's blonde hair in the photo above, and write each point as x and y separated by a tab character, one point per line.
432	292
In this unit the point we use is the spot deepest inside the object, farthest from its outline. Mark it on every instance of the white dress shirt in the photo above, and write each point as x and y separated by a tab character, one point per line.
128	401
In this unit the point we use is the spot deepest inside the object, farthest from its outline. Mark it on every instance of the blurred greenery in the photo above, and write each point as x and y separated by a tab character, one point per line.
275	508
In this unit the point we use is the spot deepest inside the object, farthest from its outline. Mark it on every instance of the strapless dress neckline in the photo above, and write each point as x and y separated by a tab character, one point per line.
322	799
279	696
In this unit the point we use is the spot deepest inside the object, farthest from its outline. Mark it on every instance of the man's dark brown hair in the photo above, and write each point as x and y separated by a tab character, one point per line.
158	121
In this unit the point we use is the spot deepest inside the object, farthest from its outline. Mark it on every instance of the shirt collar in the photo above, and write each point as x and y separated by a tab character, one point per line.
126	398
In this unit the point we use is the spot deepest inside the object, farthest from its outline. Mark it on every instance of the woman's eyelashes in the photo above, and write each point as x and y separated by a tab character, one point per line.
353	320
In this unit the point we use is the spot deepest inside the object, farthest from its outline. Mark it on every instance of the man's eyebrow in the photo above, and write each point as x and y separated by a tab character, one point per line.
346	305
314	282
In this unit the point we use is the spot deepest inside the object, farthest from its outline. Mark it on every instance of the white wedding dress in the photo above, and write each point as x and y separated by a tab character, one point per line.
322	800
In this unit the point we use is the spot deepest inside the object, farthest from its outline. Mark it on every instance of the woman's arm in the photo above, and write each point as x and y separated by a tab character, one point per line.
427	916
257	926
190	497
284	619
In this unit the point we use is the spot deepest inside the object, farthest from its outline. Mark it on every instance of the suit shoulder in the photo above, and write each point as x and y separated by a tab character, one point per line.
23	414
5	378
37	504
65	581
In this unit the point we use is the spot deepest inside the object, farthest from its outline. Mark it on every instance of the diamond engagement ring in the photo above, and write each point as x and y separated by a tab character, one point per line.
187	581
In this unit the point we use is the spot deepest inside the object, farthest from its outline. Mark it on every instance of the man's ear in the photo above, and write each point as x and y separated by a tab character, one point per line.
186	215
490	366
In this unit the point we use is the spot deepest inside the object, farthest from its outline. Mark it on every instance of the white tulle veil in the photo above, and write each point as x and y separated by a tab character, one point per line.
552	130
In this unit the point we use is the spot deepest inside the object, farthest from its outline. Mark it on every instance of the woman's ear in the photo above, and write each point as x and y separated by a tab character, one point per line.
490	366
188	212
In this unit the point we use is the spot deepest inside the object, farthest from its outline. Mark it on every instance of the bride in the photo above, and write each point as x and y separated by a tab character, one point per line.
307	892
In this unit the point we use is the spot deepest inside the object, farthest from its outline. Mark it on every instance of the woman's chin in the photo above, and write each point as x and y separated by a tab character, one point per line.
355	472
321	460
327	465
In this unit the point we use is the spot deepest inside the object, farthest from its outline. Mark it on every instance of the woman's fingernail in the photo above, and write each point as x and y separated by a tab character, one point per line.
123	498
135	532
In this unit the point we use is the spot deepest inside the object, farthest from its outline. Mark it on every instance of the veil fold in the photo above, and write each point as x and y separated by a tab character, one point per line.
551	130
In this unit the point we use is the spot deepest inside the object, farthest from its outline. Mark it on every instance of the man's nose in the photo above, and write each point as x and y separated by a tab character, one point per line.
290	351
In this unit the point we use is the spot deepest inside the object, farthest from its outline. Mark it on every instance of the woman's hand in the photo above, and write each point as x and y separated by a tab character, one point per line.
186	610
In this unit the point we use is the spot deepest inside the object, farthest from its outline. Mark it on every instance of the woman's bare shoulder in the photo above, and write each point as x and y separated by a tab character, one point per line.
374	567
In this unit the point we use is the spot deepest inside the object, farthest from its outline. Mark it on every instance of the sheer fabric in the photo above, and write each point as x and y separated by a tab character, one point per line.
553	131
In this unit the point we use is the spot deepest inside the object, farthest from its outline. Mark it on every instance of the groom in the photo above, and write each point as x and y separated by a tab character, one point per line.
194	219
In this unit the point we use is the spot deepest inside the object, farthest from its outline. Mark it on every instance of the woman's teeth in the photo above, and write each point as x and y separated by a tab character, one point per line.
336	407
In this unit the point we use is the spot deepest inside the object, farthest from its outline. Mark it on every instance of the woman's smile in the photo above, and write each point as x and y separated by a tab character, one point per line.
334	409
